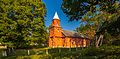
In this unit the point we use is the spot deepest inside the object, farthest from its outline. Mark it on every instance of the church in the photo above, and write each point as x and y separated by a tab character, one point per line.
59	38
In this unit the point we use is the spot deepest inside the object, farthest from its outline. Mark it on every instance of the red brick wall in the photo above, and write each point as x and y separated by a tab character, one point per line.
68	42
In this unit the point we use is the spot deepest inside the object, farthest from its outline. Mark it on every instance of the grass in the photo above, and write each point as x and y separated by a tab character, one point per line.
110	52
41	53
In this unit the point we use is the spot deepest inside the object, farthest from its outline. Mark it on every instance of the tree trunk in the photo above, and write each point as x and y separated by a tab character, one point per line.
99	41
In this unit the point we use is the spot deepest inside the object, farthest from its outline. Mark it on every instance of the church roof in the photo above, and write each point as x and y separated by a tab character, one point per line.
56	16
73	34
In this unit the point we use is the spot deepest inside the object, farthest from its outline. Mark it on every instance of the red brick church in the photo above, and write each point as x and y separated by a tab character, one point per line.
64	38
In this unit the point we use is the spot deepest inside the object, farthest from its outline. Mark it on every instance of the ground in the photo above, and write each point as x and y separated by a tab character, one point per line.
67	53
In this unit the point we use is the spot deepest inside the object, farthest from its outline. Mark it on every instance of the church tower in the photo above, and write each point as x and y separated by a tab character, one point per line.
55	28
55	31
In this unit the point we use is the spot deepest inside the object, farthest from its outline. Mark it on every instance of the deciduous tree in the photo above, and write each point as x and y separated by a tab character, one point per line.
22	22
95	16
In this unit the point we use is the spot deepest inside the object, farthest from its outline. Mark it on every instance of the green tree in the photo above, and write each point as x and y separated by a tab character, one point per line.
76	9
95	16
22	22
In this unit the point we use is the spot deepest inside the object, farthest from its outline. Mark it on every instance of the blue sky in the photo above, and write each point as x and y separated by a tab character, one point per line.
53	6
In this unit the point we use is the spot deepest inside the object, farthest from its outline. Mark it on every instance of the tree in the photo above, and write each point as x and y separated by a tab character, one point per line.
75	9
95	16
22	22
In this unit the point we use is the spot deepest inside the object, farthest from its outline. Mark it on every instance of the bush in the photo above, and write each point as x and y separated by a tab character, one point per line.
116	42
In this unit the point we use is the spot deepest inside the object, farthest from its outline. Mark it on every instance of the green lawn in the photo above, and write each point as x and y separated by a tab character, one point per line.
41	53
110	52
23	54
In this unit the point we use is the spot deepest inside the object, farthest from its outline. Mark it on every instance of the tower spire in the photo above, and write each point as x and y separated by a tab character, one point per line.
56	16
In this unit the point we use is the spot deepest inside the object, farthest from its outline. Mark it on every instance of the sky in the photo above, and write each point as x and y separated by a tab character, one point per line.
55	6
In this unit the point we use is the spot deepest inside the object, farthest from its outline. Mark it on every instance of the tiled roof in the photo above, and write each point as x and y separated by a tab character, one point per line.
73	34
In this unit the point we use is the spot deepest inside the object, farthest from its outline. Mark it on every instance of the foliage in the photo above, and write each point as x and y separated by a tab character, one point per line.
22	22
75	9
99	18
